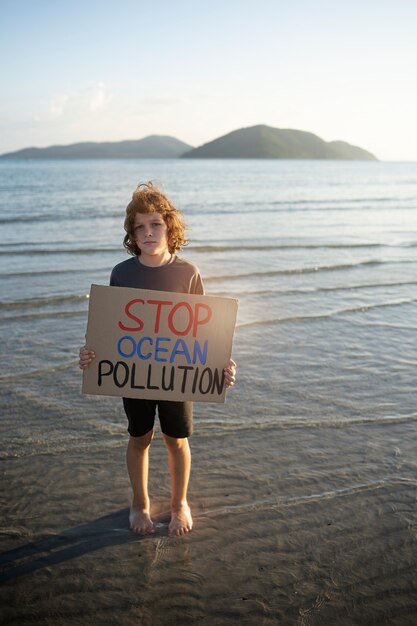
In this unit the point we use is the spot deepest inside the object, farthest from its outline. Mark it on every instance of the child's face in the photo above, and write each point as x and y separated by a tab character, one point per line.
151	234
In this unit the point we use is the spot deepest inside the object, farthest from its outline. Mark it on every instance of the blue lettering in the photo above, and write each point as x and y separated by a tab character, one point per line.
180	349
119	347
159	349
200	354
140	342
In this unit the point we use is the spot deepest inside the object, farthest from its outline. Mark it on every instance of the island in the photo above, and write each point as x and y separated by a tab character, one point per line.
254	142
265	142
151	147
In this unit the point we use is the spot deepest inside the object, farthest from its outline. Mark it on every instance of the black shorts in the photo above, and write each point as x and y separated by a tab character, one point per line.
176	418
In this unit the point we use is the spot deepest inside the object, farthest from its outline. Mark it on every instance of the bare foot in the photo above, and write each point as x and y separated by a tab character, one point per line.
181	521
140	521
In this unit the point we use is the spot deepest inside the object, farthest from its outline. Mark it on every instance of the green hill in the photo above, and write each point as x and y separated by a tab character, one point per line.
154	146
255	142
265	142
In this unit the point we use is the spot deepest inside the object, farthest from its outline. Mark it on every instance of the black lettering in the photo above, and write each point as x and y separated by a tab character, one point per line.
195	380
132	379
126	374
102	373
218	383
184	378
208	371
170	386
148	382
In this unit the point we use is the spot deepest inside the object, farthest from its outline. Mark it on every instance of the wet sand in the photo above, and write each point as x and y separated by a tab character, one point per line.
293	525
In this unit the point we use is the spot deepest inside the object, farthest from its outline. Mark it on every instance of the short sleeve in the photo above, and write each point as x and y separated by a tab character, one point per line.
197	286
113	279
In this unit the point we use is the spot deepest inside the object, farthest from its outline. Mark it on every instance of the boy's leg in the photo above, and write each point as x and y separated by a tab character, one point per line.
179	460
137	458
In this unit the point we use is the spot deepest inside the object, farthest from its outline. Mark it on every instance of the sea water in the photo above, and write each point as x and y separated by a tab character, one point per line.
322	256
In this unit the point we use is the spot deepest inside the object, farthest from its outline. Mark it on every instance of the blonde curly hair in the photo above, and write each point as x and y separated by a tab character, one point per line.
148	199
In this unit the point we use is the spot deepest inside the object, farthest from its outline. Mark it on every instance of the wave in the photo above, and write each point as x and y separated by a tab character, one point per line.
371	203
315	269
55	218
309	206
320	205
8	249
58	251
286	501
217	428
192	206
41	302
336	200
33	244
32	316
336	246
75	270
366	286
311	290
39	372
48	301
244	325
261	247
322	316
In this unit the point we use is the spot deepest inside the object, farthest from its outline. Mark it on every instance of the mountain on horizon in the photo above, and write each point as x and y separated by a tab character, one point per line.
151	147
266	142
254	142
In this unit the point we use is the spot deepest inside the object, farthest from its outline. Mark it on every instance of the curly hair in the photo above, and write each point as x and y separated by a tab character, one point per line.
148	199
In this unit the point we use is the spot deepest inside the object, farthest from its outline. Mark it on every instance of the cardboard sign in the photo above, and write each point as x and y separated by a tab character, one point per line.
158	345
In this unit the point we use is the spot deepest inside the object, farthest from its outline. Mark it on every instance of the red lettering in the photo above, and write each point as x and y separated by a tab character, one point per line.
171	318
182	313
159	304
203	320
132	317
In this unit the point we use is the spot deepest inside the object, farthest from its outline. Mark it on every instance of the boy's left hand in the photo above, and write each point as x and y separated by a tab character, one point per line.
230	374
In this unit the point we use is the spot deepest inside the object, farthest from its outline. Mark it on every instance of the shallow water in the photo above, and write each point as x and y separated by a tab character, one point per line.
304	482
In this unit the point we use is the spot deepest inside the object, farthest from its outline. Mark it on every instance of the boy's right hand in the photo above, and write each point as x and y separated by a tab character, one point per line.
86	357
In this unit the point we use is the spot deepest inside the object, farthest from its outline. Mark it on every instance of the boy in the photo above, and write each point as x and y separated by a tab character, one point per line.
155	231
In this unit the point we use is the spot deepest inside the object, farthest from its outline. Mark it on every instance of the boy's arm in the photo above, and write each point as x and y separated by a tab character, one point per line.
230	374
86	357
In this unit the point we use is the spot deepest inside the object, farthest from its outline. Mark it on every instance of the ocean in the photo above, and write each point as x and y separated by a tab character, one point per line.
315	445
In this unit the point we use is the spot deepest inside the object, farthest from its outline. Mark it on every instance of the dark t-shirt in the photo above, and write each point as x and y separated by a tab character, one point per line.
179	276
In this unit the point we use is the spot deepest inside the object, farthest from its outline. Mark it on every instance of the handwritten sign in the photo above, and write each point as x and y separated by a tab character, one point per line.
158	345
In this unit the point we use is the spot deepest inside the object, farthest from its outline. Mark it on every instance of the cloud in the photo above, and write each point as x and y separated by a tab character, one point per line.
98	97
58	103
80	102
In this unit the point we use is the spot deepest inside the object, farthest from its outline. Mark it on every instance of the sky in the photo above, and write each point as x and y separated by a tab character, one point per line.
108	70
